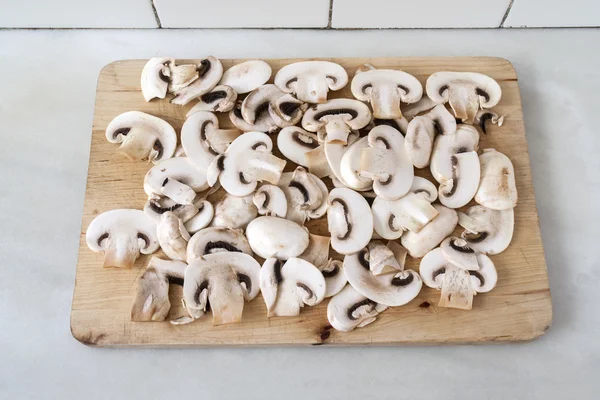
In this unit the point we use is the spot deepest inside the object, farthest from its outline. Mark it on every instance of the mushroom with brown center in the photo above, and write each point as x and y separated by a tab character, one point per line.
286	110
294	143
349	220
464	140
209	72
457	252
425	188
306	195
486	230
246	76
311	80
349	309
334	153
256	104
432	234
460	189
335	119
156	75
349	168
172	236
276	237
392	217
216	240
317	253
221	99
176	178
483	116
497	189
156	207
270	200
234	212
262	123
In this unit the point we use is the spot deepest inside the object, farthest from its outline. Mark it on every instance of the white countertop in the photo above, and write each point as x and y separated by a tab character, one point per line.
47	89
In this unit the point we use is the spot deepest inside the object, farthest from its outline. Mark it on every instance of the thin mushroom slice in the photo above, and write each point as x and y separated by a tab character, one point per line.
486	230
155	77
276	237
294	143
420	135
483	116
409	111
443	121
287	110
308	193
311	80
336	118
349	220
151	301
458	253
465	139
210	71
497	189
270	200
461	188
432	234
484	279
334	152
350	166
142	136
246	76
156	207
172	236
234	212
176	178
202	219
257	102
392	217
216	240
349	309
425	188
263	122
221	98
335	279
122	235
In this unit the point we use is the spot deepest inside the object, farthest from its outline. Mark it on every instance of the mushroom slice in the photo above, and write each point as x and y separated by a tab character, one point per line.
432	234
311	80
215	240
177	178
336	118
466	92
306	193
276	237
234	212
257	102
425	188
443	121
221	99
497	189
392	217
392	289
349	220
465	139
410	111
317	252
485	278
155	77
202	218
386	162
334	152
271	201
295	143
349	309
286	110
142	136
335	279
484	116
460	189
151	302
156	207
382	259
385	89
263	122
458	253
221	282
317	163
122	235
209	71
172	236
486	230
350	166
288	287
399	124
247	76
420	136
182	76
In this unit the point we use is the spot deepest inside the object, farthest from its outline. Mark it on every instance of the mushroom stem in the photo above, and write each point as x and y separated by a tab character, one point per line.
177	191
312	90
264	167
137	145
337	130
464	102
121	253
377	163
457	290
316	161
385	100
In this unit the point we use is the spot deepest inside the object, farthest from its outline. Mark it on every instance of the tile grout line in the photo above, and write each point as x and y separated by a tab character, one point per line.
156	17
330	14
510	5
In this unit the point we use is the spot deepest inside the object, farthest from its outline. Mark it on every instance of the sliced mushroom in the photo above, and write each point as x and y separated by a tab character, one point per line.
156	207
316	161
483	116
336	119
466	92
151	302
350	166
486	230
276	237
234	212
294	143
122	235
349	309
424	187
457	252
247	76
385	89
392	217
497	189
142	136
177	178
221	282
155	77
410	111
311	80
460	189
306	195
270	200
202	219
257	102
172	236
335	279
382	260
349	220
215	240
220	99
209	71
432	234
334	152
182	76
465	139
287	287
286	110
317	252
263	122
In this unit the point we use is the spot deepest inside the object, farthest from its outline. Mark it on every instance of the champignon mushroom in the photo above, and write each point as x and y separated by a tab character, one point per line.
382	260
172	236
334	152
209	71
486	230
311	80
460	189
317	163
306	195
286	110
424	187
247	76
221	282
466	92
335	279
151	302
276	237
176	178
392	217
457	252
257	102
221	99
270	200
142	136
385	89
410	111
182	76
214	240
234	212
201	220
465	139
317	252
349	309
155	77
350	166
122	235
287	287
335	119
349	220
156	207
484	116
432	234
497	189
294	143
263	122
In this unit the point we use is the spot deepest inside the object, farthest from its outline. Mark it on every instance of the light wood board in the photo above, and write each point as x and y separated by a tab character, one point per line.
518	309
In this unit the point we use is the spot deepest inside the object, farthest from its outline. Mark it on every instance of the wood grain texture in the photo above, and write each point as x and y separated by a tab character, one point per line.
518	309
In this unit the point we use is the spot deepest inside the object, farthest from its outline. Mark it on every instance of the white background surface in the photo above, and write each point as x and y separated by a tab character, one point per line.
46	108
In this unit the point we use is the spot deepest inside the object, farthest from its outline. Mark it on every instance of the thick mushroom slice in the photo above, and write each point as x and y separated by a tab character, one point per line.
350	166
270	200
257	102
155	77
221	99
122	235
311	80
316	161
432	234
385	89
263	122
392	217
486	230
276	237
209	71
234	212
335	279
294	143
497	189
286	110
425	188
483	116
176	178
335	119
334	152
156	207
172	236
216	240
222	282
288	287
349	309
247	76
349	220
466	92
421	131
458	253
142	136
392	289
202	219
465	139
460	189
151	302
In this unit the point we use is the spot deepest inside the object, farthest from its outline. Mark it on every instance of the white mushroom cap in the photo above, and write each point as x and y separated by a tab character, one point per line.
350	166
172	236
385	89
122	235
294	143
286	110
247	76
458	253
349	309
349	220
392	217
221	98
336	118
156	207
484	116
234	212
311	80
334	152
424	187
432	234
210	71
393	289
270	200
142	136
155	77
465	139
288	287
276	237
257	102
202	219
214	240
466	92
460	189
335	279
497	189
486	230
177	178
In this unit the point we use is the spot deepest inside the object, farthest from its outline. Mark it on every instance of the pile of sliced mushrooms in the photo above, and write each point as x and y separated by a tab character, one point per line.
254	240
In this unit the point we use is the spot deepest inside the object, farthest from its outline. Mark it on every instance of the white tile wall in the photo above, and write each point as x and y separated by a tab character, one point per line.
243	13
542	13
418	13
76	14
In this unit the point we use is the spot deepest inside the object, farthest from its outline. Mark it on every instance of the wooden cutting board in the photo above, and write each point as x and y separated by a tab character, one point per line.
518	309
